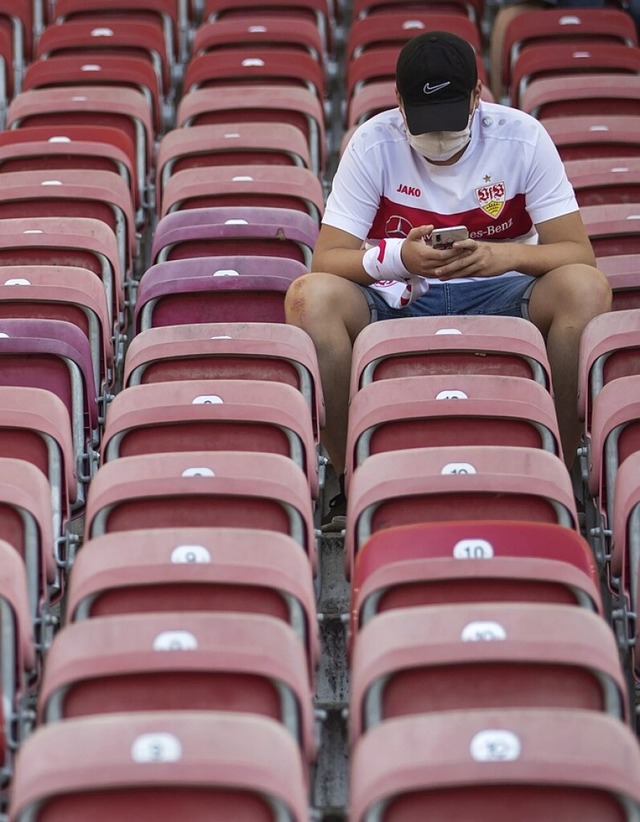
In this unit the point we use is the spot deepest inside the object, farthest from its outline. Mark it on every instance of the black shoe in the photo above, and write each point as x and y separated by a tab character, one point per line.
335	519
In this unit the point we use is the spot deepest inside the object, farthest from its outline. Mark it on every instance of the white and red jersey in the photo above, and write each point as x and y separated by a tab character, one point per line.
509	179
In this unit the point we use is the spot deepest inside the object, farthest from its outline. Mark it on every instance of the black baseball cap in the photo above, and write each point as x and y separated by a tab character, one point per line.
436	73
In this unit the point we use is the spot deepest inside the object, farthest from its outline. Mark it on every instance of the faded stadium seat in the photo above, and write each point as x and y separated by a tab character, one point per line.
432	659
456	765
612	227
459	483
623	273
249	288
217	570
212	415
595	94
601	180
586	136
269	351
224	766
244	663
467	561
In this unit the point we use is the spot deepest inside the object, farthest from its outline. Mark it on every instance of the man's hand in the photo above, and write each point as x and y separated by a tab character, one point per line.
465	258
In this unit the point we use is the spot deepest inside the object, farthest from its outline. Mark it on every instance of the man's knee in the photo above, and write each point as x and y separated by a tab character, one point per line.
319	297
579	292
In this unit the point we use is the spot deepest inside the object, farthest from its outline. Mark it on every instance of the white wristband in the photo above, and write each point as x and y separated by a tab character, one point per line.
384	261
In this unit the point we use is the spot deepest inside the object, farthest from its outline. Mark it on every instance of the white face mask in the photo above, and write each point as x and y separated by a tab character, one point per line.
440	145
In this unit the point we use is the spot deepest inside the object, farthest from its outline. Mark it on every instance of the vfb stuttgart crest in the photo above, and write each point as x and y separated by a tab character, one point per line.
491	198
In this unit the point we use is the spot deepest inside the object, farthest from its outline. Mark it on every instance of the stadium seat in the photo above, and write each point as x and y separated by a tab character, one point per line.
548	763
235	230
35	426
623	273
584	137
215	289
456	483
450	410
612	227
269	186
228	105
563	25
244	663
433	563
509	346
268	351
560	58
212	415
223	766
255	65
432	659
594	94
601	180
19	662
217	570
122	108
199	488
365	8
26	524
80	242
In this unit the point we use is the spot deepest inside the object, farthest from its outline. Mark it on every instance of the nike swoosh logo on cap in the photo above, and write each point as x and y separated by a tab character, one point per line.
429	89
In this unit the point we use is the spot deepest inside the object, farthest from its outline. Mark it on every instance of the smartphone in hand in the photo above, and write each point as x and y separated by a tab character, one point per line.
445	237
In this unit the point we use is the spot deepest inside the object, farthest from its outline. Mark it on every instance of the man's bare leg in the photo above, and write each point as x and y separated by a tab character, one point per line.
332	311
562	303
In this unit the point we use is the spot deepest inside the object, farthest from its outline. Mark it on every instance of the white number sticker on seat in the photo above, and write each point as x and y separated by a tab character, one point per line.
473	549
175	641
483	631
190	554
157	747
495	746
458	468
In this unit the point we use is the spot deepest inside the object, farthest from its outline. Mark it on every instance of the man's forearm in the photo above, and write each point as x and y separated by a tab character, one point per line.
536	260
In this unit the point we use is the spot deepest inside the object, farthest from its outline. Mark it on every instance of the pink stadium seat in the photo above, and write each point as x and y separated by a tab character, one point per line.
214	289
471	8
601	180
268	351
563	25
217	570
66	293
54	355
235	230
212	415
431	659
243	663
456	483
259	30
613	227
459	765
222	766
18	659
80	242
594	93
35	426
450	410
70	193
122	108
269	186
26	524
255	65
101	69
587	136
109	35
17	26
228	105
73	147
577	57
396	27
199	488
623	274
317	11
244	144
449	345
433	563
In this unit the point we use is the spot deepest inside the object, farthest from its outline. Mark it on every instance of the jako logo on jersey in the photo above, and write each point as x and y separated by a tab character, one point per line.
397	226
410	190
491	199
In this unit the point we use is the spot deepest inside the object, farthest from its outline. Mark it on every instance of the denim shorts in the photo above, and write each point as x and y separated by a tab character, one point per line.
507	297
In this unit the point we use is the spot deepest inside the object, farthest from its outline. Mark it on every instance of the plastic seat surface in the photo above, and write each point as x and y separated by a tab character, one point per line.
209	289
224	765
458	483
270	351
217	570
454	764
592	93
